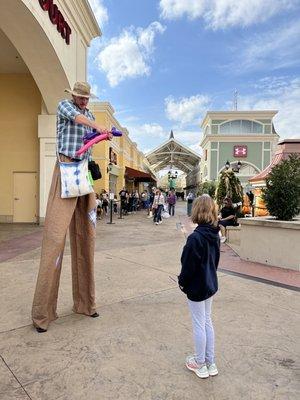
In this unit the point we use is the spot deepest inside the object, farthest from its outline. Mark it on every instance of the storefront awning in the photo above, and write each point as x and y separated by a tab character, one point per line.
265	173
138	176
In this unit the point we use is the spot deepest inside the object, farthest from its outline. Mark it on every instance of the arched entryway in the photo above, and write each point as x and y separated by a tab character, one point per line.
174	155
36	65
246	171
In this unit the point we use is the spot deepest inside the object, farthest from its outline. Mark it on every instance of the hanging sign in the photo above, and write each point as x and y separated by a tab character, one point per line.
57	19
113	158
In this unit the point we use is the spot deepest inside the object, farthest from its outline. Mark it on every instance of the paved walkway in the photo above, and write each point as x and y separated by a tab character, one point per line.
136	349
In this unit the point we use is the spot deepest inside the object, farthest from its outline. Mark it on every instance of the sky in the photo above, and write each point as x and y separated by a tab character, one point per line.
162	64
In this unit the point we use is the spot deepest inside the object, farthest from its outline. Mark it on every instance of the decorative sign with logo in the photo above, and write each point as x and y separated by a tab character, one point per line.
240	151
113	158
57	19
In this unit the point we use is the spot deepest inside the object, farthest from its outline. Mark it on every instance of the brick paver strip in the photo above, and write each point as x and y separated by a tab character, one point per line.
20	245
230	261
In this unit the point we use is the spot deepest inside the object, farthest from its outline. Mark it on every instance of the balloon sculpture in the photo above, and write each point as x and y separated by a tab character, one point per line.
94	137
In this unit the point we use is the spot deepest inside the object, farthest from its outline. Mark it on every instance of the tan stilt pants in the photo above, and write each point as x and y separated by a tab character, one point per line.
62	214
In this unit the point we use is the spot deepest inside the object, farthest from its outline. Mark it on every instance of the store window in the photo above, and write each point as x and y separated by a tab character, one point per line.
236	127
113	158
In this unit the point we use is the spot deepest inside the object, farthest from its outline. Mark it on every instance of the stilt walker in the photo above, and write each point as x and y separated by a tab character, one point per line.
71	205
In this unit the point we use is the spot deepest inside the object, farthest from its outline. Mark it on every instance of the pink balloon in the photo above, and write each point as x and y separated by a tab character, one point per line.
89	144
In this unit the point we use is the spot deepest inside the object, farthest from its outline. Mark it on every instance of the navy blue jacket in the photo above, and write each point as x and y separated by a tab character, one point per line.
199	261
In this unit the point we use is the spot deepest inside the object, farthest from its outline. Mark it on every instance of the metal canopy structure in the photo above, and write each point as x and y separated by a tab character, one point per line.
173	154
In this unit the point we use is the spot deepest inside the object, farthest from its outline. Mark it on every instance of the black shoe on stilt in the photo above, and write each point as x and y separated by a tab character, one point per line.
95	315
40	330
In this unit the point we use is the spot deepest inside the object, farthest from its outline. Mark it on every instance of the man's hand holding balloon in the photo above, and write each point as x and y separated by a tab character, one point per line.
95	136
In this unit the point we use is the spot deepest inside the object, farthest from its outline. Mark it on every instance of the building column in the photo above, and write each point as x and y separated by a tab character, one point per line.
47	138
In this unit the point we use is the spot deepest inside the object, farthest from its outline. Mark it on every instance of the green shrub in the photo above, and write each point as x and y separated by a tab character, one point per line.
208	187
229	185
282	192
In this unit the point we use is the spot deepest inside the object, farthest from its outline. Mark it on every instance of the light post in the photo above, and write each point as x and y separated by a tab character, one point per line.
171	178
235	167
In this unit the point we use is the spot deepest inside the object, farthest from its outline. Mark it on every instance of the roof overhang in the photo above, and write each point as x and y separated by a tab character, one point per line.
175	154
139	176
252	114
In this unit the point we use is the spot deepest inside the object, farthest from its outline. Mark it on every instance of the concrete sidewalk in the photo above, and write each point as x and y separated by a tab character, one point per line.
137	348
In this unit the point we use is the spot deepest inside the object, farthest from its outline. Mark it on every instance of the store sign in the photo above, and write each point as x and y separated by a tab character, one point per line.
240	151
113	158
57	19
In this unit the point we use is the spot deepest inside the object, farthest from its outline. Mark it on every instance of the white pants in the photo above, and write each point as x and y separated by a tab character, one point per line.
204	337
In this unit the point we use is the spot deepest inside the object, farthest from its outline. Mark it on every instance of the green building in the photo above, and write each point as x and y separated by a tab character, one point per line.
243	140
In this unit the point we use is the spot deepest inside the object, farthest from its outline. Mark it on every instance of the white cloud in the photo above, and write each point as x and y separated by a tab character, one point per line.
196	148
173	9
128	55
187	110
273	50
152	130
100	11
225	13
187	137
190	139
277	94
95	89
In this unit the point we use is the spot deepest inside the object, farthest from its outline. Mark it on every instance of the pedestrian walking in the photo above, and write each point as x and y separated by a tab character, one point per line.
158	206
198	280
78	214
123	198
171	200
105	201
151	196
190	198
99	206
144	199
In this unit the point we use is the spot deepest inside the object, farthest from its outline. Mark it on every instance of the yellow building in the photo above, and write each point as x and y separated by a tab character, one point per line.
43	51
122	164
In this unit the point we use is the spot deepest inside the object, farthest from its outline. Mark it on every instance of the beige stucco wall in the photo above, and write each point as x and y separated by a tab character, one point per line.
19	150
128	154
271	242
53	65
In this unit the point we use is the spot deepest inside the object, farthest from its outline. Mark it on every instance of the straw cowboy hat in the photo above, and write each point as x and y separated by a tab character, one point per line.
81	89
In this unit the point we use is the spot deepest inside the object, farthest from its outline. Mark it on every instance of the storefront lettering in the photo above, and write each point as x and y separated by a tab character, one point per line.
57	19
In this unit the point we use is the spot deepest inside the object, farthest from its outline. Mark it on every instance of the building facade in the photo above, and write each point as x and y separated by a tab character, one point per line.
122	164
45	46
45	43
244	137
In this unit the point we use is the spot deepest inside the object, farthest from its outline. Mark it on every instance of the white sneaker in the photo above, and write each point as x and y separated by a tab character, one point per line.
160	222
156	223
212	369
200	369
223	239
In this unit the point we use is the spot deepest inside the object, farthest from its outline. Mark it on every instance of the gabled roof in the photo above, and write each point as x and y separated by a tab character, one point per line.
174	154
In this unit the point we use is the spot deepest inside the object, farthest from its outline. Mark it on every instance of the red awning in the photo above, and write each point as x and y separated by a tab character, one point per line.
264	174
138	176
